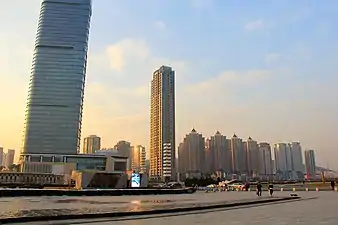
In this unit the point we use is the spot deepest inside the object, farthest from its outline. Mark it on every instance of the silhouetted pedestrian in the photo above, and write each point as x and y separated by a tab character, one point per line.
259	189
332	185
271	189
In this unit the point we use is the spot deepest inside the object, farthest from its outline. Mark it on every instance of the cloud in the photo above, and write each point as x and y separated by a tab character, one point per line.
134	55
118	90
126	51
230	78
254	25
272	57
160	25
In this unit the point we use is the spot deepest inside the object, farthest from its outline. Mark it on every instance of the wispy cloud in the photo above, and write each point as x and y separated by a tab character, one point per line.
227	78
126	50
254	25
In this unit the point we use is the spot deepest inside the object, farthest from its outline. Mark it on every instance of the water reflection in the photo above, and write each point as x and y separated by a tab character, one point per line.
19	207
154	201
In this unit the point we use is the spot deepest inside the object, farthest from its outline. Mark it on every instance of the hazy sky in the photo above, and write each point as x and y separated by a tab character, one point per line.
267	69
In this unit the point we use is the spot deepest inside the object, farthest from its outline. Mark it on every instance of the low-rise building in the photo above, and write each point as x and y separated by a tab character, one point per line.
12	178
64	165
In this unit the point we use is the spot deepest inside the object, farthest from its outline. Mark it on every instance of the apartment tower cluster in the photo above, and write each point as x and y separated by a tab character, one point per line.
234	157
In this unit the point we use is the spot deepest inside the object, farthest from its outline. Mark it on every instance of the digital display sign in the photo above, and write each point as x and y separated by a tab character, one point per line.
135	180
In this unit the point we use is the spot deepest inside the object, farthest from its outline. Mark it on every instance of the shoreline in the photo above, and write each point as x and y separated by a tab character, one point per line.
92	192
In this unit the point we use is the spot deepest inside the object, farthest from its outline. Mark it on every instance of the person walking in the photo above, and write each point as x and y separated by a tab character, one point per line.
332	185
259	189
271	189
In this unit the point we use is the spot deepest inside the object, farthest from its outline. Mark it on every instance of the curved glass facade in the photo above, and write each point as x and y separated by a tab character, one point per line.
56	88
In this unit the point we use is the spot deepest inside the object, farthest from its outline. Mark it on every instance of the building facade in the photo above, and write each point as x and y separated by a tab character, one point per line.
124	148
2	156
65	164
162	124
310	163
265	161
282	161
297	159
252	157
10	158
91	144
238	156
138	159
289	160
55	98
218	153
191	154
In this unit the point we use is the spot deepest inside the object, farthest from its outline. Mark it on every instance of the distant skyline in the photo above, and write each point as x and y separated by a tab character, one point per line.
261	69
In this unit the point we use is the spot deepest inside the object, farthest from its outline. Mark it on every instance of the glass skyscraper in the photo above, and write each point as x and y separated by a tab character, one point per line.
56	88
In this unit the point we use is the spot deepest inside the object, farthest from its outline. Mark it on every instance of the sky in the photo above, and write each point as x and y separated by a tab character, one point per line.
265	69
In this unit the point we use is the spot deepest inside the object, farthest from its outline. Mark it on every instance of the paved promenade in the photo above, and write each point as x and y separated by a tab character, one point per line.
319	211
34	206
316	208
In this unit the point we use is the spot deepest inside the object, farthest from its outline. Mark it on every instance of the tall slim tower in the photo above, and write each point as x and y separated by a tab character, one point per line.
2	156
56	88
251	150
310	163
297	158
162	124
10	157
138	159
238	156
265	160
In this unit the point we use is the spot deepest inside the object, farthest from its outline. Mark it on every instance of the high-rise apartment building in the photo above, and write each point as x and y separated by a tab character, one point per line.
91	144
252	156
310	163
138	159
10	158
283	160
297	159
124	149
265	161
1	156
162	124
218	154
238	156
191	153
55	98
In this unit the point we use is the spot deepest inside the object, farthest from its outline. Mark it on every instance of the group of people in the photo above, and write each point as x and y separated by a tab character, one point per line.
270	188
259	189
